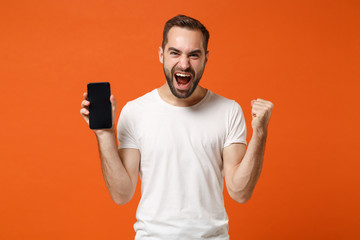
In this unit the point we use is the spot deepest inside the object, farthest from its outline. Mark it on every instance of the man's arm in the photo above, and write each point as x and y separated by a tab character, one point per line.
242	167
120	168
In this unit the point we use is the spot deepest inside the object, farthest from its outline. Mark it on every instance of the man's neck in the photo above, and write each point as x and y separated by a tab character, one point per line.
166	95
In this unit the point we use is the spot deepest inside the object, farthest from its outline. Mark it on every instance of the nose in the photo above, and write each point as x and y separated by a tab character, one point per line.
184	62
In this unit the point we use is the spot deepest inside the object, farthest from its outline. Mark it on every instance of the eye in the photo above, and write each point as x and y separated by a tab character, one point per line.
174	53
195	55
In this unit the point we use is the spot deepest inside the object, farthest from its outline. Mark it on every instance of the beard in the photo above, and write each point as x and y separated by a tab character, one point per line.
169	75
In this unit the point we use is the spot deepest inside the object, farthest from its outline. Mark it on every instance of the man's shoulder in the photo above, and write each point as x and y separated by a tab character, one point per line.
148	97
217	99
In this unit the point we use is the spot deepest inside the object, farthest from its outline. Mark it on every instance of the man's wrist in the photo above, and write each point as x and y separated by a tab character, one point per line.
260	133
104	132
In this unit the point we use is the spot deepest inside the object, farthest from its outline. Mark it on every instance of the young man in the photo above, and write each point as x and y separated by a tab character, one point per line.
182	139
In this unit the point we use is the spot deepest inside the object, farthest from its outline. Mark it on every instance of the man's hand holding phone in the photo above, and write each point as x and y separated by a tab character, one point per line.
99	109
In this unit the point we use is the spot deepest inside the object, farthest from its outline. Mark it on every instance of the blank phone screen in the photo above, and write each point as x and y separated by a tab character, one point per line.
100	105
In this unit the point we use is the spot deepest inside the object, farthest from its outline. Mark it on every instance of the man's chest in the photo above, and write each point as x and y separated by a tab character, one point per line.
180	130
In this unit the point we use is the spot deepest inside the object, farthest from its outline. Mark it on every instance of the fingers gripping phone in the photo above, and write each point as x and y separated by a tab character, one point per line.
100	114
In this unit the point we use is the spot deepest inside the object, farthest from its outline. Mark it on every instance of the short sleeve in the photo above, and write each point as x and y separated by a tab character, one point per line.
236	129
125	130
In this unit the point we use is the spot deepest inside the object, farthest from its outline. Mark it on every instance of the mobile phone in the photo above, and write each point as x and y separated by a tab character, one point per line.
100	114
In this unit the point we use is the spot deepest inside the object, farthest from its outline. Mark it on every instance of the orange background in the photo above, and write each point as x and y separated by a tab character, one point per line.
302	55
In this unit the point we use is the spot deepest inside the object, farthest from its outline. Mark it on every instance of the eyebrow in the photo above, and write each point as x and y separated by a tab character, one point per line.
173	49
177	50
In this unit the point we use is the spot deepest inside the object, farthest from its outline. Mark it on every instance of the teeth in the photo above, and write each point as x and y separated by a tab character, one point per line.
182	75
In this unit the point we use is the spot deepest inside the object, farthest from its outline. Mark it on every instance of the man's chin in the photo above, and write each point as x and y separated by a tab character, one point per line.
182	94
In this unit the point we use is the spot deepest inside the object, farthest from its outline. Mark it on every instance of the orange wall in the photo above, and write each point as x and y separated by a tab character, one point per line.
302	55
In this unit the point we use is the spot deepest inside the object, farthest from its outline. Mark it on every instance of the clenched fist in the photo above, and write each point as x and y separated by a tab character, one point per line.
261	112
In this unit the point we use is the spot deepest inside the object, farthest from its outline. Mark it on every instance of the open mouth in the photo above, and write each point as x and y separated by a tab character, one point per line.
183	80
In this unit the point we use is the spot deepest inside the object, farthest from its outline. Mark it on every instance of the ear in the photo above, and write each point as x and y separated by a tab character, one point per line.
161	55
206	56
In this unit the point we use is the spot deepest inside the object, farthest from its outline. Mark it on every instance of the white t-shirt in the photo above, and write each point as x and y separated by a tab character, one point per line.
181	167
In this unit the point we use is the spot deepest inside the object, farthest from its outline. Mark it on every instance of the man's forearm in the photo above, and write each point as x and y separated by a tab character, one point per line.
115	175
248	171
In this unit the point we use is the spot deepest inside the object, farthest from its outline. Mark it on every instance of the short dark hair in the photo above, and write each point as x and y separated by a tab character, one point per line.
185	22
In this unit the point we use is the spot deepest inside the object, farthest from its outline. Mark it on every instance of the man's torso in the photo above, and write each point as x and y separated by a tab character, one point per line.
181	165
